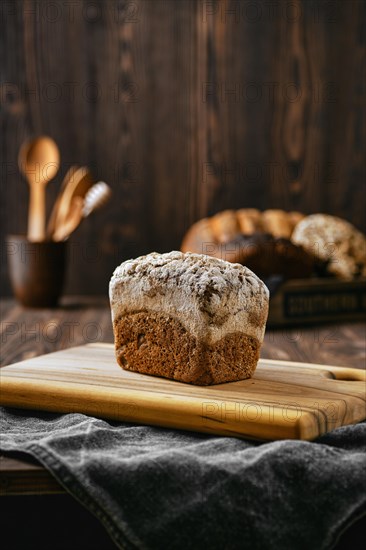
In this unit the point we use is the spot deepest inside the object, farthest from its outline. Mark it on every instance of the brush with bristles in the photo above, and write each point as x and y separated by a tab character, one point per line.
97	196
80	208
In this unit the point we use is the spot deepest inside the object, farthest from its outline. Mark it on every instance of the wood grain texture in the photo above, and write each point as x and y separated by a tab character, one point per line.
282	400
185	108
22	478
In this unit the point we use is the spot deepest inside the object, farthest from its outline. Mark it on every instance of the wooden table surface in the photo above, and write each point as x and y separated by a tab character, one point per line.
27	333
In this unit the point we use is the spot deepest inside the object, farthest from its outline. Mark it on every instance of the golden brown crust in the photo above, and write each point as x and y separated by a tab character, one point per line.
277	223
259	240
250	220
204	235
155	344
225	226
199	237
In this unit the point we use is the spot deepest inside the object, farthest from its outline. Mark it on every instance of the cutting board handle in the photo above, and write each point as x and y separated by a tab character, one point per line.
327	371
342	373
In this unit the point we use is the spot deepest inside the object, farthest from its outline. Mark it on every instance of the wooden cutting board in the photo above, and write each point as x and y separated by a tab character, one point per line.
282	400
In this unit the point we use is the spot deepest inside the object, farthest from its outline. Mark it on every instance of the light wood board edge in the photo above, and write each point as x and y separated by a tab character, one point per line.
212	415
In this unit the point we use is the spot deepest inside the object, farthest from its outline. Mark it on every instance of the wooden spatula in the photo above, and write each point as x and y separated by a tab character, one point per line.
80	208
77	184
70	174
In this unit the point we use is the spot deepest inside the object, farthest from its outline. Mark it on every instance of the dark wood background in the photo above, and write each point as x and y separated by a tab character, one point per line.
185	107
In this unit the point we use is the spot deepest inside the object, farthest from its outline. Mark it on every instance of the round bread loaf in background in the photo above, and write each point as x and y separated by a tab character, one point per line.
259	240
188	317
227	225
334	241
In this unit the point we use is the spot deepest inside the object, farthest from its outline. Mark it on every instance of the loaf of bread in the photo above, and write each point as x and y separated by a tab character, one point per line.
334	241
188	317
224	227
259	240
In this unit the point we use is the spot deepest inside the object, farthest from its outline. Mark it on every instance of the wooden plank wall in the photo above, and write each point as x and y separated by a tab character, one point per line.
185	107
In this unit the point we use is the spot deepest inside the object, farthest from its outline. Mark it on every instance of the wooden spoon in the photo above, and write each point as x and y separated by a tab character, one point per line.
39	161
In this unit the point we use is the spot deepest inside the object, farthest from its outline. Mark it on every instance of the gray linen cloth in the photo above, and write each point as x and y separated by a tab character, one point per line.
155	488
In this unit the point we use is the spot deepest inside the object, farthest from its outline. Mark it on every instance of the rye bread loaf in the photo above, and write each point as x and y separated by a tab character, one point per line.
188	317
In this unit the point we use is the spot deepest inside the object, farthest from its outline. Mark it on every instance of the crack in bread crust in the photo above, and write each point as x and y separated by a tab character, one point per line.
159	345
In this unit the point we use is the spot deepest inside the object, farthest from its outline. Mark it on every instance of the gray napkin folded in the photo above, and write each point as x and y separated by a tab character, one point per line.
156	488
